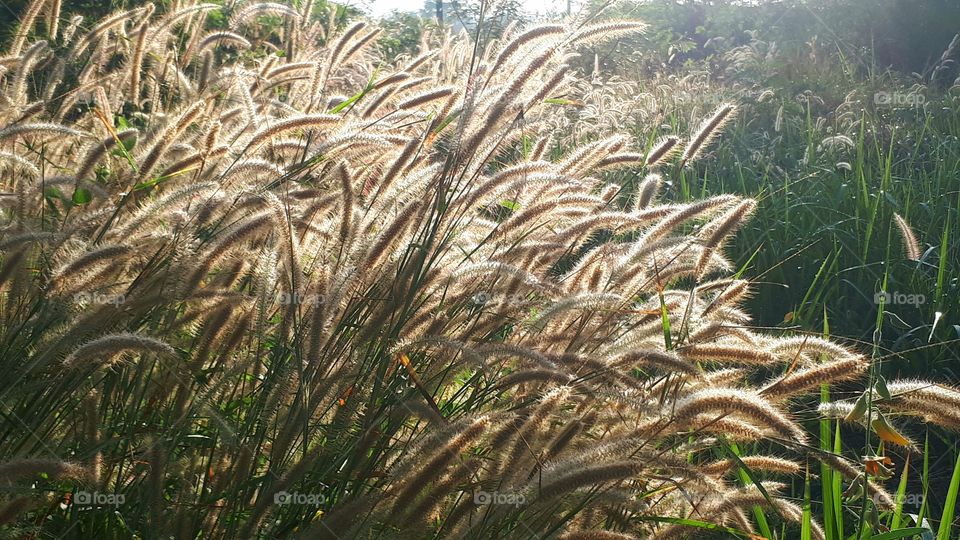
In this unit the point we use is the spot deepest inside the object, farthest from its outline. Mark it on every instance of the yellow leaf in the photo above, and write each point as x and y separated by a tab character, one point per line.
887	433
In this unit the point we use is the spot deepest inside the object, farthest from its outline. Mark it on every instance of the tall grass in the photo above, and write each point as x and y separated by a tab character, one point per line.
276	285
854	177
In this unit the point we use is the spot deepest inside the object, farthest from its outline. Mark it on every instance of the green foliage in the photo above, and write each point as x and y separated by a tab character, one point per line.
902	34
402	33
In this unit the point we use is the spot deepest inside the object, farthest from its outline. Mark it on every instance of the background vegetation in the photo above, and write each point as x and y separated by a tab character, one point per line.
848	113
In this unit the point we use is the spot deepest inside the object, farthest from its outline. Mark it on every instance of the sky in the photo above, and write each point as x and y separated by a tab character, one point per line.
382	7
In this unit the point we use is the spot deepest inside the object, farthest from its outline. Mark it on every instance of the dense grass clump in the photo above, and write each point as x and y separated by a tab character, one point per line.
257	281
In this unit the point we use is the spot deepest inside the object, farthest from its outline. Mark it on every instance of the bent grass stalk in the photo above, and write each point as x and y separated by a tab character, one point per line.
316	289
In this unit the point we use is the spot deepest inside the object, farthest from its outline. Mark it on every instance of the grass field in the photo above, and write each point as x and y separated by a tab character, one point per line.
260	280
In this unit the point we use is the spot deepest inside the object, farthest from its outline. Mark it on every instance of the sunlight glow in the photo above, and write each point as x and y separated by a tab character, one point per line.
378	8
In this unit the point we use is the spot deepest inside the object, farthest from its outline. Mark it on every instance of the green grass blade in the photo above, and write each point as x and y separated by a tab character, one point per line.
665	322
747	477
925	479
901	496
838	484
806	529
828	492
902	533
950	505
943	260
696	523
